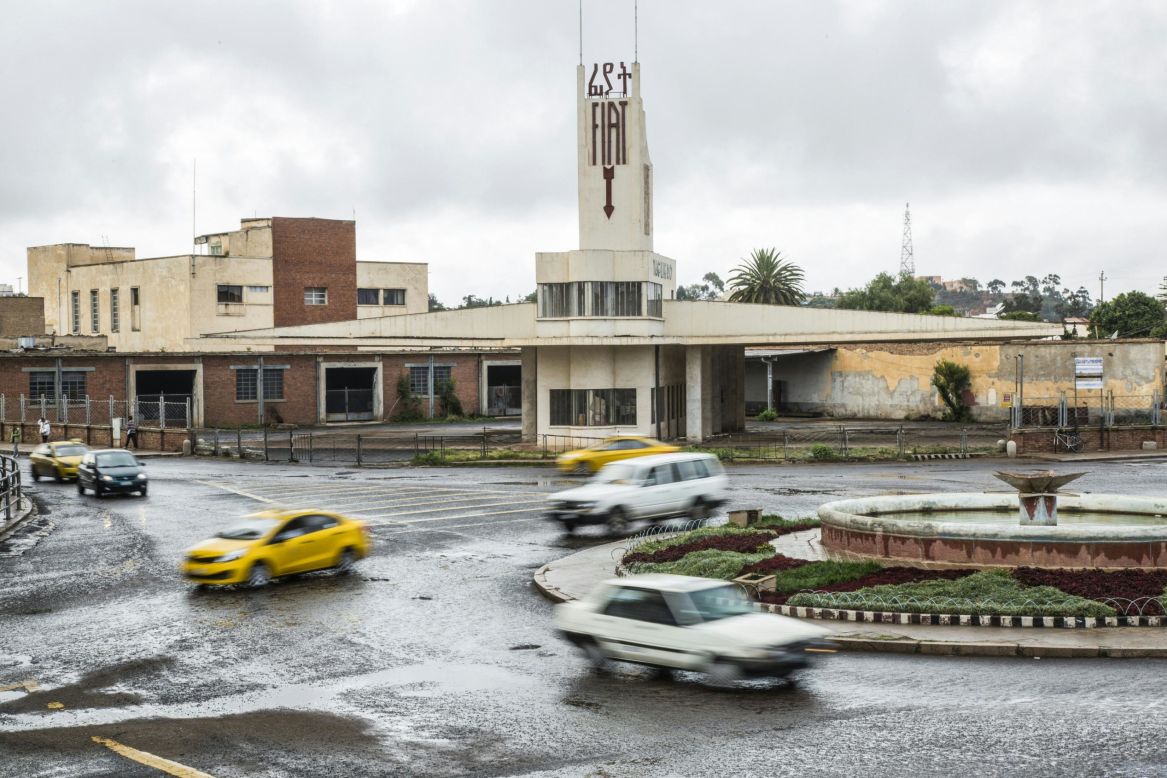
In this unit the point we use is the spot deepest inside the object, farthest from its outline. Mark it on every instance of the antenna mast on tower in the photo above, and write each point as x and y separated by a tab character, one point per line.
907	257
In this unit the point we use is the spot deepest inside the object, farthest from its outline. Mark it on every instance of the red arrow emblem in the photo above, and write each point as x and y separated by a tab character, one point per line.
609	174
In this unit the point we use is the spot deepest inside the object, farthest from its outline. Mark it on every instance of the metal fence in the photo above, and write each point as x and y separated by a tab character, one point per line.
856	442
1096	409
164	411
10	487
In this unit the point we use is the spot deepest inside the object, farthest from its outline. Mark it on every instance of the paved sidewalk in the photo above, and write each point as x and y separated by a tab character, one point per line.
573	577
22	514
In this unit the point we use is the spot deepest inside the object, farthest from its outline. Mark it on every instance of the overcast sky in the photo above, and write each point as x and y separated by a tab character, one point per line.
1030	138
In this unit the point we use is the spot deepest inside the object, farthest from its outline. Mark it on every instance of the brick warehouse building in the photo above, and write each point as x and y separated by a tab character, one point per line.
227	391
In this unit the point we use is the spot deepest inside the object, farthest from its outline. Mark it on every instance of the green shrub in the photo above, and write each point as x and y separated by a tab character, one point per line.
822	451
768	415
710	563
990	592
816	575
451	405
431	458
408	405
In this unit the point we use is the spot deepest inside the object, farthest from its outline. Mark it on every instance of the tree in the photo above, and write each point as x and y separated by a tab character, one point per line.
1131	315
473	301
1076	304
767	278
995	287
435	303
942	310
952	380
529	298
902	294
711	288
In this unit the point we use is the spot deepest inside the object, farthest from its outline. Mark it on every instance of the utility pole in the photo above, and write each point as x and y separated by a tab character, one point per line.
907	256
1101	287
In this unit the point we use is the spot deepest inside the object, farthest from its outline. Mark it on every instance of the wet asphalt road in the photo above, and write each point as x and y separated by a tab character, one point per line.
437	657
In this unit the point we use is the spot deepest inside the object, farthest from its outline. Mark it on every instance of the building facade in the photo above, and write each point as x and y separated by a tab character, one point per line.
271	272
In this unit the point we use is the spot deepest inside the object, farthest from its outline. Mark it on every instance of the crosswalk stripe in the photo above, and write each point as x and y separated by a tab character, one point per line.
379	515
377	522
408	529
228	488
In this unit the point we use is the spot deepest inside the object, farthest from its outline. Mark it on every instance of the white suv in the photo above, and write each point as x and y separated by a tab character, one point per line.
675	621
652	487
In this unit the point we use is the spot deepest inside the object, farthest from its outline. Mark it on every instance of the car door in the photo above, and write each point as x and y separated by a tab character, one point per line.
637	625
324	541
662	496
85	471
291	548
37	460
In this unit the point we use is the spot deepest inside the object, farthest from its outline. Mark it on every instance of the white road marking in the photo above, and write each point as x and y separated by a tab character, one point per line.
376	522
227	488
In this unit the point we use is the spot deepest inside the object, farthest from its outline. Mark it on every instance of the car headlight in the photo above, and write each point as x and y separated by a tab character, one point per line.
141	476
231	556
107	478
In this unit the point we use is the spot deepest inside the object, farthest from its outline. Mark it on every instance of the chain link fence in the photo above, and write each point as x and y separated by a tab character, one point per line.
162	411
1096	409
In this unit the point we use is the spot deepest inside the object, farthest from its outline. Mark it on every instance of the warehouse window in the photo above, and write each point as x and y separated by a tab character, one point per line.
42	384
419	378
593	407
368	296
135	309
115	314
229	293
592	298
315	295
73	384
393	296
75	303
247	385
94	311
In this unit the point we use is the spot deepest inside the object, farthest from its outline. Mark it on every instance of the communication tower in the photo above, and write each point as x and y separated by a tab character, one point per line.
907	257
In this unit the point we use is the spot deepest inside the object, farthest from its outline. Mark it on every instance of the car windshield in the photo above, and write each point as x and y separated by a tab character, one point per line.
116	459
71	451
252	529
615	474
718	602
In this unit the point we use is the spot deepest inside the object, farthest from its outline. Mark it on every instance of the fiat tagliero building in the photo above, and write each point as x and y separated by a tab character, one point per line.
607	348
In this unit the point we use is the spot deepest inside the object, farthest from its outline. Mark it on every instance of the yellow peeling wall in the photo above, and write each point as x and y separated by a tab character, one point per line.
894	380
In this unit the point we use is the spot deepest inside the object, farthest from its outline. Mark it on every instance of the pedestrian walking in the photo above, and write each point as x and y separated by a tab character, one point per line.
131	432
44	428
15	437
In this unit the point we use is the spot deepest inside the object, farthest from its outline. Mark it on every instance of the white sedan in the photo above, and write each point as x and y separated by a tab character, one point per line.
685	623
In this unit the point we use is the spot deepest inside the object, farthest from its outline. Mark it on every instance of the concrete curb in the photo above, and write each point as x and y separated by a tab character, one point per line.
994	648
546	589
965	620
27	511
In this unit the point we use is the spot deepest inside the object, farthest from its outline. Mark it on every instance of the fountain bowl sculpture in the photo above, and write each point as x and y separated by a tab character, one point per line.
1036	526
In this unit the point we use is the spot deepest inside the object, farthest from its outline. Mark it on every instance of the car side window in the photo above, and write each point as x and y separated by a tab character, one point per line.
635	444
317	523
293	529
687	470
702	467
662	474
640	605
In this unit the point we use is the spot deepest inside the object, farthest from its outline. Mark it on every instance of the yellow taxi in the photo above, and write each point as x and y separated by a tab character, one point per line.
275	543
589	460
58	459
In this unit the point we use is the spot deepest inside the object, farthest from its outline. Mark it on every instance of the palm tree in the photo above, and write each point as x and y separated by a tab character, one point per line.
767	278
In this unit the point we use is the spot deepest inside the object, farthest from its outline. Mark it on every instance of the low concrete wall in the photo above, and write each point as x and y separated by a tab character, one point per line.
868	528
94	436
1038	441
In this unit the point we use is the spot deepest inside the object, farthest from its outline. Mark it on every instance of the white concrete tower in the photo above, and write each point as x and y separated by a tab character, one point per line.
615	172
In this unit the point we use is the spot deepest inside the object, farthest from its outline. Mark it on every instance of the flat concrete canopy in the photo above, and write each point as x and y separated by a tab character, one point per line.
687	323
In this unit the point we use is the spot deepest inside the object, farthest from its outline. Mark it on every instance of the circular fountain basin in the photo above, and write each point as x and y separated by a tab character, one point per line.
982	530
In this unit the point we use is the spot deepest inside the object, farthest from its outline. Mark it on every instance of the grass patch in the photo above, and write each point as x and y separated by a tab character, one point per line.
989	592
710	563
785	526
816	575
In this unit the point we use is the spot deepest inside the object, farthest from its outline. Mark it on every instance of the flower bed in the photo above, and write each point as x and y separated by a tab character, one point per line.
986	592
1131	592
718	539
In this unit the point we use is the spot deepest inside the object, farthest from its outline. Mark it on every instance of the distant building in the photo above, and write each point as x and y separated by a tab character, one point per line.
271	272
6	290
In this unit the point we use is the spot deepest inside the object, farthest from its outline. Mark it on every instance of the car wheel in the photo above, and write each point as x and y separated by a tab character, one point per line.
259	575
80	487
346	562
698	510
35	475
617	522
569	528
582	469
98	492
722	673
142	491
596	657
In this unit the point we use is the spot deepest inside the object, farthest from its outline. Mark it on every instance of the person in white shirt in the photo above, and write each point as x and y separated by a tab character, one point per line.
45	428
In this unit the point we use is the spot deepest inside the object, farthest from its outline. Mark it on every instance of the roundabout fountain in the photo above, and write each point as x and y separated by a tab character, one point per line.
1034	526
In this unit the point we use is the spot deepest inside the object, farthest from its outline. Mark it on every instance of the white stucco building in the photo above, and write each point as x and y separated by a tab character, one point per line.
607	348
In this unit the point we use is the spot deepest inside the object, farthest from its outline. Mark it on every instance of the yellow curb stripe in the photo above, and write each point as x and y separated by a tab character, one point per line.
150	760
